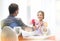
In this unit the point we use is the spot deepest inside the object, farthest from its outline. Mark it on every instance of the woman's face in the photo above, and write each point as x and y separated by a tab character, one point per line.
40	16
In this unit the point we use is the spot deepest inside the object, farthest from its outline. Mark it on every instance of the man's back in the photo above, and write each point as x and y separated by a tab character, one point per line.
12	22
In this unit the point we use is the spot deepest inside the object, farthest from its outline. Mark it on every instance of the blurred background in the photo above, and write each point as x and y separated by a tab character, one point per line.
28	10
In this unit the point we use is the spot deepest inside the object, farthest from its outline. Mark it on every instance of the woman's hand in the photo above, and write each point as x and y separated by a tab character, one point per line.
45	29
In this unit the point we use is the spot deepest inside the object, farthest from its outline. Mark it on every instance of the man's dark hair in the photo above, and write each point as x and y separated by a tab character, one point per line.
12	8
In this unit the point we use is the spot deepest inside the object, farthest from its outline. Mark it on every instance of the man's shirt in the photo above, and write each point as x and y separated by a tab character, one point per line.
13	22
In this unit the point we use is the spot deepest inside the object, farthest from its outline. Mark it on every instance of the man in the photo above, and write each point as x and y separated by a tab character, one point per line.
11	20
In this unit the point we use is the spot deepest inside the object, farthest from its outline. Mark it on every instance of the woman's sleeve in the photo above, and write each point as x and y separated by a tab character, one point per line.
45	24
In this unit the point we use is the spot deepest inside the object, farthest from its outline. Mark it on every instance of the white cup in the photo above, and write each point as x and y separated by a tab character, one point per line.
18	30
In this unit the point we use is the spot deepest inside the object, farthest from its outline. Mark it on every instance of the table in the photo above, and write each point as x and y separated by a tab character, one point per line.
52	38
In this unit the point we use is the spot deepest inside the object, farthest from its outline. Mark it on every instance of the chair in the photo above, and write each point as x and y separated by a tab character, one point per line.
8	34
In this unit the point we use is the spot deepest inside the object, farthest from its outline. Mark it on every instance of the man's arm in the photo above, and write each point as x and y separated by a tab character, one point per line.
20	23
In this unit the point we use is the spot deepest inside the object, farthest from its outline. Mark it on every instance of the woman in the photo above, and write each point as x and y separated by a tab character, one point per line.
40	25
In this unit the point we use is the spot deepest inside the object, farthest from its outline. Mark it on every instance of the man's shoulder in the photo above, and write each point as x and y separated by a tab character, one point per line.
7	20
18	19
